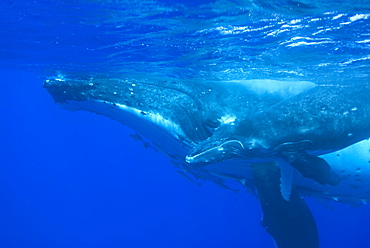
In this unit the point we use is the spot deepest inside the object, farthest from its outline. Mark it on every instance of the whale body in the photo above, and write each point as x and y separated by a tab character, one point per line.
182	114
175	117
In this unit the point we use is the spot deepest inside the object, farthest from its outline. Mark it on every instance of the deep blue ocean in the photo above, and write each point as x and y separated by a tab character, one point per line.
76	179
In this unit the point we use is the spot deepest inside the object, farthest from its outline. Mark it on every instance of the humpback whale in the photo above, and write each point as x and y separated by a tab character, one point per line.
318	121
167	111
178	116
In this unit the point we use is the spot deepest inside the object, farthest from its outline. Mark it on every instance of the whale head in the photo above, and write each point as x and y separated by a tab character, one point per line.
223	145
228	143
220	146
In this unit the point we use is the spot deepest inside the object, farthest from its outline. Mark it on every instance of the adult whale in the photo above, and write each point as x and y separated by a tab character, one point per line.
318	121
176	116
168	111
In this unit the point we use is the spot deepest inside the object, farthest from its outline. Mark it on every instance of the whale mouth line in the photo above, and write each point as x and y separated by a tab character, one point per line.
226	149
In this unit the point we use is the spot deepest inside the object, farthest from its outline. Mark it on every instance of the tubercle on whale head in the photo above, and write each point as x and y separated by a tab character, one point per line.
63	90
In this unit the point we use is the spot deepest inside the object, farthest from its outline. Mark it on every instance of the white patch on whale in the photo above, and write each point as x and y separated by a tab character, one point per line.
153	126
227	119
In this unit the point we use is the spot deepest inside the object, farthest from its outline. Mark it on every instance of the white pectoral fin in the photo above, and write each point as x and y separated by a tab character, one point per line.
286	179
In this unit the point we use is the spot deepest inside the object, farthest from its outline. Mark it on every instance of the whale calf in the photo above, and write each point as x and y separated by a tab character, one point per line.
178	116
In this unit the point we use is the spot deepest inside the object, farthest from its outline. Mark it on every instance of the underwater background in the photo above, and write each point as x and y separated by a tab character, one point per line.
75	179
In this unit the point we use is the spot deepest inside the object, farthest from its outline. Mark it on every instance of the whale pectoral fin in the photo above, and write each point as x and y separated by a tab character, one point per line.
286	179
290	223
308	165
315	168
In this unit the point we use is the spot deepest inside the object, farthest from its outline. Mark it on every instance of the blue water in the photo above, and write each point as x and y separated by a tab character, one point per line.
77	180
